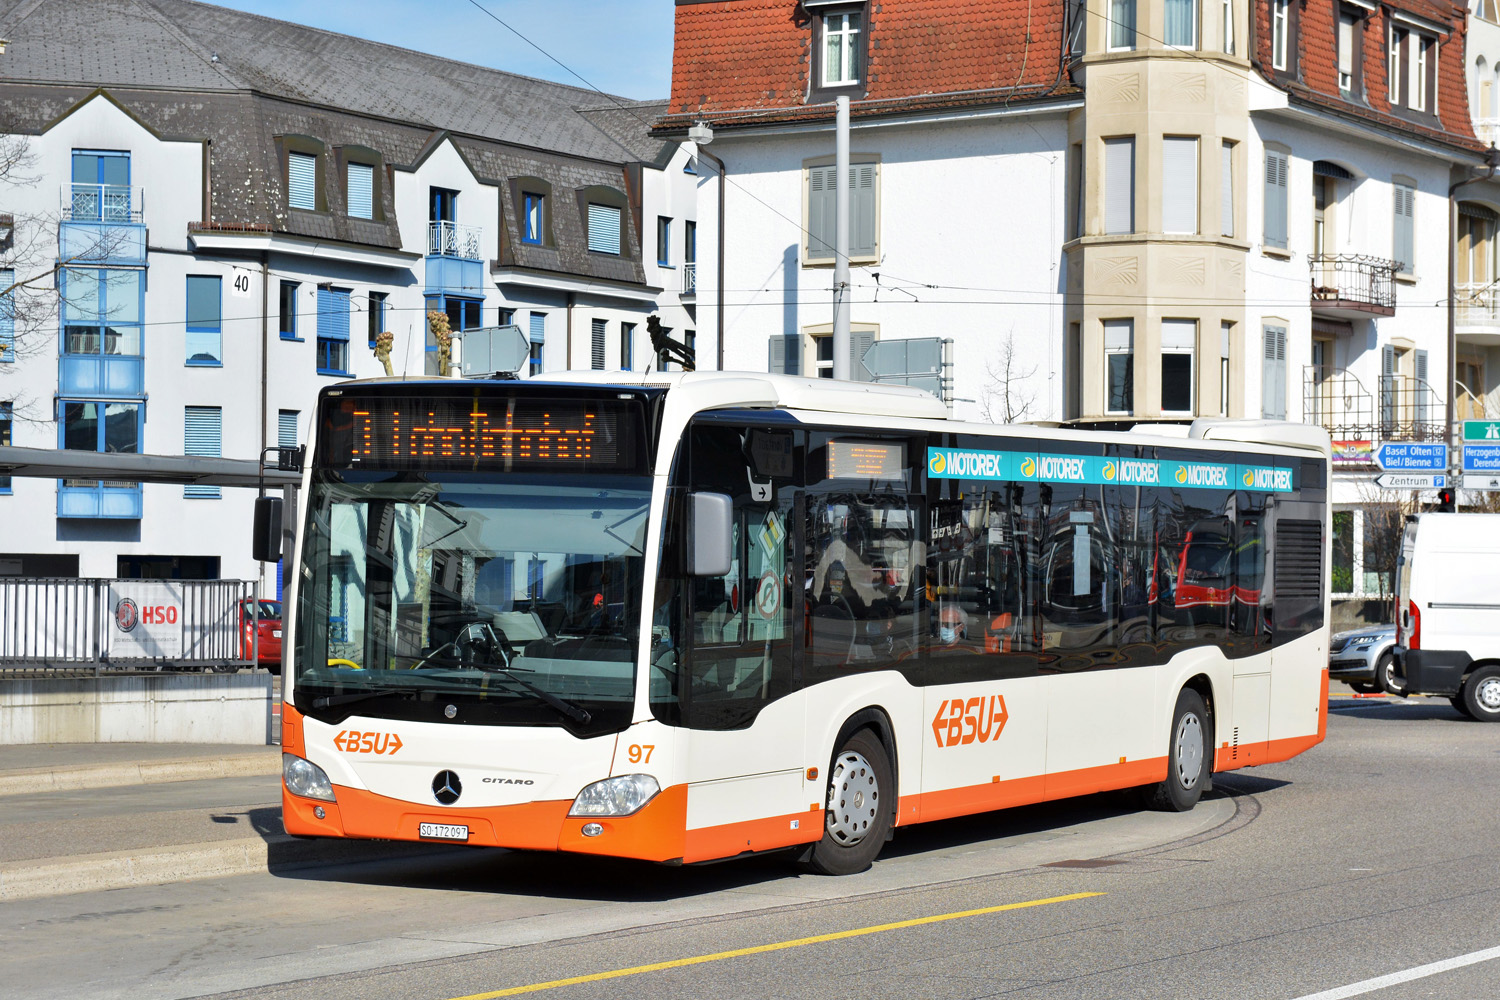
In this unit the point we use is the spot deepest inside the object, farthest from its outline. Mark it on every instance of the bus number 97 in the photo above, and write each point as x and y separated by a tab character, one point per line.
641	754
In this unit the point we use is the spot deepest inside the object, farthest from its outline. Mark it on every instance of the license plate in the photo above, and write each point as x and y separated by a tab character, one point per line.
276	633
442	831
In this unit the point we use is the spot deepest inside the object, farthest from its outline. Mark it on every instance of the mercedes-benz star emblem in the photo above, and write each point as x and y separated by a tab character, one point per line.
446	787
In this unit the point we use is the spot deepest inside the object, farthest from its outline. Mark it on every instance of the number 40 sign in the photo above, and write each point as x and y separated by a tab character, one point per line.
239	283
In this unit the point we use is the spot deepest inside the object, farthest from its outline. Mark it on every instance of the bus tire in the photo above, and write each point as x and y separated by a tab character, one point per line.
857	816
1187	757
1482	694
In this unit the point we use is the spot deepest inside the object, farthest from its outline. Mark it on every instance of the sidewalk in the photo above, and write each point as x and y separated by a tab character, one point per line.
89	817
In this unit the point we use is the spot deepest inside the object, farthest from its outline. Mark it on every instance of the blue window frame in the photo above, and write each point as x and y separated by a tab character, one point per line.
361	190
205	320
538	341
102	310
627	345
101	186
7	316
333	331
463	314
99	425
302	181
5	422
288	306
531	219
203	436
377	316
442	205
663	241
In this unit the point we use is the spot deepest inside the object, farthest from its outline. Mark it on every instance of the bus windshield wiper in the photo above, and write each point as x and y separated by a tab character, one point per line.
567	708
329	700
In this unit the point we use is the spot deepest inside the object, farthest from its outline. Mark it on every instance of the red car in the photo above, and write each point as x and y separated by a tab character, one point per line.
269	650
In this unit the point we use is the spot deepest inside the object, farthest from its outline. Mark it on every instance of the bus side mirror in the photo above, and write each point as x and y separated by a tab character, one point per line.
710	534
266	545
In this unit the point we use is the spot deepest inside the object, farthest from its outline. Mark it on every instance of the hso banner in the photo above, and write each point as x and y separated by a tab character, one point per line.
147	619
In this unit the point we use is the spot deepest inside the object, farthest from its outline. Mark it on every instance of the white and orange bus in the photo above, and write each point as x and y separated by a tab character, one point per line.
706	615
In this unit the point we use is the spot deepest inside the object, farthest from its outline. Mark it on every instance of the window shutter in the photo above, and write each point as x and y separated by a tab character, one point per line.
7	318
1403	243
301	181
784	354
821	209
538	327
596	356
1275	211
202	430
1273	374
286	428
1226	189
862	210
1420	389
604	229
1387	386
1119	185
1179	185
333	313
860	341
361	190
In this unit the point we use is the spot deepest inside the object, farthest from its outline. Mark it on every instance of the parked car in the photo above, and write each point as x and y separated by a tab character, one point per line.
1448	603
268	652
1363	658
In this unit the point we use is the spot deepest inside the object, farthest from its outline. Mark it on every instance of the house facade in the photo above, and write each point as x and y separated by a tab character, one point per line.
205	231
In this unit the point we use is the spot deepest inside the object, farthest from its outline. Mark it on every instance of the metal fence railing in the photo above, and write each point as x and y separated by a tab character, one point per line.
92	626
1353	281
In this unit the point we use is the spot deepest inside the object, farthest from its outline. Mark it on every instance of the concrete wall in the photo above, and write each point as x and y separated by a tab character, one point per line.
164	708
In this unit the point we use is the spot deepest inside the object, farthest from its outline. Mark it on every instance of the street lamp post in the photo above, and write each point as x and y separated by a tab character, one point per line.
1491	162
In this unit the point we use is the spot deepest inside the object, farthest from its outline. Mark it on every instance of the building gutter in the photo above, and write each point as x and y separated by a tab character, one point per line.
727	128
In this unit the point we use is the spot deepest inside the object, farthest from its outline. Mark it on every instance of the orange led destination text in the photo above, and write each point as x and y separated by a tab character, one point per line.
472	435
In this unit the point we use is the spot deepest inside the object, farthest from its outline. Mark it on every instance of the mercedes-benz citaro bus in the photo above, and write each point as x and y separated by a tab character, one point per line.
704	615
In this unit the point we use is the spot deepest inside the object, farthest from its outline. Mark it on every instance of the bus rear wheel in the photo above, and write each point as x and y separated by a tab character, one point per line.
861	787
1188	764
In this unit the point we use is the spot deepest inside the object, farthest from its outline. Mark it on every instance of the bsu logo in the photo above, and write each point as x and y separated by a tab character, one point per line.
959	722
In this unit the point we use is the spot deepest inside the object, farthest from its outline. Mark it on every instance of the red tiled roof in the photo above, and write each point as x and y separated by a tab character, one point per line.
735	55
1317	55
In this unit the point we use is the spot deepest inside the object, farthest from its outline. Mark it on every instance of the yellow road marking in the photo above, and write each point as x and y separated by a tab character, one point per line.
761	949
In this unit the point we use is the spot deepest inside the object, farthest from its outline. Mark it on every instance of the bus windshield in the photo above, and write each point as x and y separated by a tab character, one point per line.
471	597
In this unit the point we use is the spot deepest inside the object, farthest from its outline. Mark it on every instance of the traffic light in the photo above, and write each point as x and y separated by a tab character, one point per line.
1447	501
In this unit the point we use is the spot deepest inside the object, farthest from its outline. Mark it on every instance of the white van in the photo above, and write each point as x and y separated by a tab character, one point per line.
1448	611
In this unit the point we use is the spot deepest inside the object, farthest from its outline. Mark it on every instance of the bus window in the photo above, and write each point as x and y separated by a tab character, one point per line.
1079	584
1250	631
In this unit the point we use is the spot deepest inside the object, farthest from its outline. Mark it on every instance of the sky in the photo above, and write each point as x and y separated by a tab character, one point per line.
623	47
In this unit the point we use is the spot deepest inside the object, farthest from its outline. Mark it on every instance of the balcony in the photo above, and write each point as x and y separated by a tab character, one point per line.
91	499
101	224
1403	408
1352	286
453	259
690	279
1487	130
450	239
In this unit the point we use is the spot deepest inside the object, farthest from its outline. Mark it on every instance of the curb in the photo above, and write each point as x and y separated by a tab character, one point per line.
191	862
42	779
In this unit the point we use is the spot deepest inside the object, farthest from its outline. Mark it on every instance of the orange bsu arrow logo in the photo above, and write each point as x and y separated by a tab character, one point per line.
959	722
354	741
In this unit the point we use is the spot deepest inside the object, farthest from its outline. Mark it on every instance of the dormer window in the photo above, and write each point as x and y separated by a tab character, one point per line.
1348	53
1411	64
840	44
841	49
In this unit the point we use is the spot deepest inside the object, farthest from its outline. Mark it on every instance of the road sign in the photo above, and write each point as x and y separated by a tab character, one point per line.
1407	481
1482	457
1411	456
1482	430
1482	482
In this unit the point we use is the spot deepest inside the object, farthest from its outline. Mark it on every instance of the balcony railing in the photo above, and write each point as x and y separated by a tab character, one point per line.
450	239
1353	282
101	203
1476	304
1402	408
690	278
1487	130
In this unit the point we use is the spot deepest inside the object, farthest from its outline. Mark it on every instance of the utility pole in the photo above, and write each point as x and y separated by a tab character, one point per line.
841	365
1450	435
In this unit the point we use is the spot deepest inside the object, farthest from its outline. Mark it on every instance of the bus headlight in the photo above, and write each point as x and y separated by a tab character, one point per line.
305	778
618	796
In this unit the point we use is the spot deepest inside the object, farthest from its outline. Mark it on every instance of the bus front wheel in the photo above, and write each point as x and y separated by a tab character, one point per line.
858	811
1188	764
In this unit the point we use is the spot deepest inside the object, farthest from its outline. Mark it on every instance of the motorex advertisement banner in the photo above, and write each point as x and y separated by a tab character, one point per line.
1095	470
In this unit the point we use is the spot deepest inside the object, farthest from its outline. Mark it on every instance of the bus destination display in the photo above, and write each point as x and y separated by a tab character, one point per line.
502	434
882	461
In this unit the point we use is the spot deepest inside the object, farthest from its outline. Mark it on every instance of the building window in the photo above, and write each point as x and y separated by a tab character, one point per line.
1119	185
1119	366
101	310
102	426
101	187
596	344
1121	25
1273	373
1226	188
1280	32
442	205
690	242
1226	328
822	197
1226	15
604	229
203	430
333	331
287	303
286	428
1275	199
204	321
538	341
1179	338
1348	53
663	241
1074	222
1393	65
377	316
463	314
361	188
1421	84
531	218
5	422
627	345
1403	242
1179	185
1181	28
302	181
841	49
7	316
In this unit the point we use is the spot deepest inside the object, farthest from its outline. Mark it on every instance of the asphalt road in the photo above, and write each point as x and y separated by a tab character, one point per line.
1362	858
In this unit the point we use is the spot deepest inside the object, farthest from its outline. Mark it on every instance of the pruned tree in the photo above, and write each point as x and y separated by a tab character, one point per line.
1007	395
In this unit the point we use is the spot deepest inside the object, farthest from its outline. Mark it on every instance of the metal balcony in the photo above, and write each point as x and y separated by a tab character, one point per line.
451	239
690	278
1353	285
101	203
1402	408
1487	130
1477	304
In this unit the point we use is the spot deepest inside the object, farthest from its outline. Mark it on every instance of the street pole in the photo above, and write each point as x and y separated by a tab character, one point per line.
841	362
1491	161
